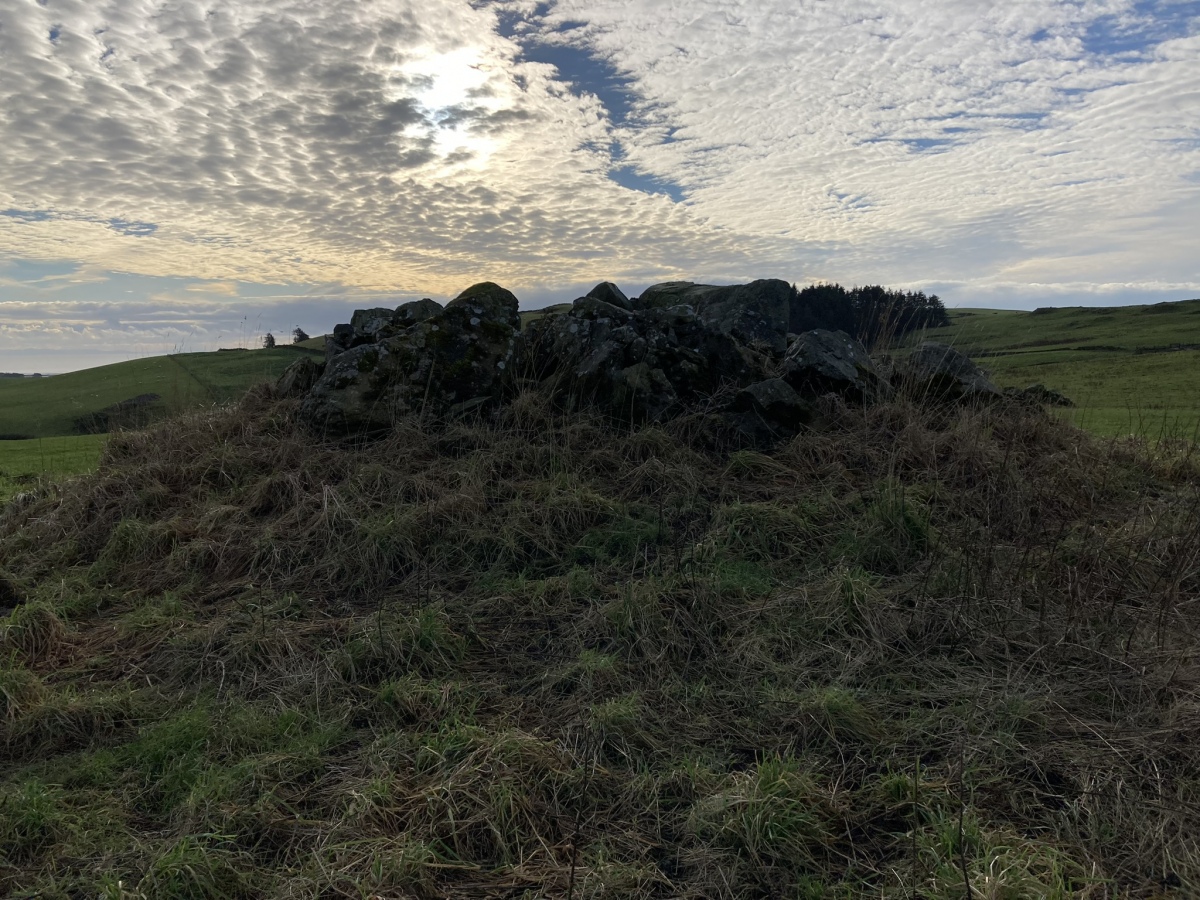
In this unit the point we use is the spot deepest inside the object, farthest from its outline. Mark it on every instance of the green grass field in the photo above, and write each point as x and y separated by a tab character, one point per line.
23	464
48	407
1130	370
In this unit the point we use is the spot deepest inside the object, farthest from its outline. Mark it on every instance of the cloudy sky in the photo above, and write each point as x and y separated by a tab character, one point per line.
188	174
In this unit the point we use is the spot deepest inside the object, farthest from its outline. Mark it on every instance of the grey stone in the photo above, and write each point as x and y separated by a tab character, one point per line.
595	308
299	377
941	372
608	292
757	314
349	395
366	322
820	361
489	301
639	366
341	340
415	311
768	411
1048	396
456	359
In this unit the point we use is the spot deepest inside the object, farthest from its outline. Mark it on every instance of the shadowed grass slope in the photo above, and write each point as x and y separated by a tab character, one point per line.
912	653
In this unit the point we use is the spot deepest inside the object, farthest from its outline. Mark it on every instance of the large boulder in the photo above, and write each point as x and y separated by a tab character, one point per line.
371	326
368	322
446	360
610	293
349	395
299	378
767	411
488	301
819	362
938	371
415	311
756	314
643	365
341	340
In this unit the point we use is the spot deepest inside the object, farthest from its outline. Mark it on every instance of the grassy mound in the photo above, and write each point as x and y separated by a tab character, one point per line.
913	653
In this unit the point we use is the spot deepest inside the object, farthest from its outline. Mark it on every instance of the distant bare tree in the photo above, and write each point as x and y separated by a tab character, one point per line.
269	341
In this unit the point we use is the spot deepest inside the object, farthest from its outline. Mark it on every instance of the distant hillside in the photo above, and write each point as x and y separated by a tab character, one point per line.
53	406
1161	327
1129	368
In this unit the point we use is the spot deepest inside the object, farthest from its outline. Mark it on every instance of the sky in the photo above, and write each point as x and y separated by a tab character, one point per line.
180	175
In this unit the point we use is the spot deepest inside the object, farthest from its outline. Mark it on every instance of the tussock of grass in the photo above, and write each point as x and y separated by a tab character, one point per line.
542	655
33	631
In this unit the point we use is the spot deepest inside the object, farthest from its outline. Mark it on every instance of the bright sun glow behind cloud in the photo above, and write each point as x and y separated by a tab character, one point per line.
444	83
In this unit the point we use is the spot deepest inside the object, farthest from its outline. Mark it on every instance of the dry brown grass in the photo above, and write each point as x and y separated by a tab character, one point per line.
542	655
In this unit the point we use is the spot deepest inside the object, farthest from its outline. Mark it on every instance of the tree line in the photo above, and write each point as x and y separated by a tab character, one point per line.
872	313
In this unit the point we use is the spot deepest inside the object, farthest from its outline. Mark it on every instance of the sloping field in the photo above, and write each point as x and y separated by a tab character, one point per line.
26	464
1130	370
46	407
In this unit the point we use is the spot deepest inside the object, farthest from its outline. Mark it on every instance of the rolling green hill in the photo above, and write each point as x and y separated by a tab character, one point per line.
45	411
1129	369
49	407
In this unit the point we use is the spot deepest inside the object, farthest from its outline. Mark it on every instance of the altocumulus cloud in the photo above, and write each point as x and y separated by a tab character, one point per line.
1020	152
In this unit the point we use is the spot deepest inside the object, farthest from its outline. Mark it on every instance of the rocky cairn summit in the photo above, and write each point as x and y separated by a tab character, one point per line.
416	359
727	352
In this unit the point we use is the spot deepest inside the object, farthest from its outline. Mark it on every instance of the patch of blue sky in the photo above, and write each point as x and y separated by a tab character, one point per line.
1028	116
122	226
27	215
32	280
514	23
928	145
849	201
917	145
1187	143
1033	117
629	177
132	229
33	271
1141	28
587	73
